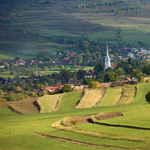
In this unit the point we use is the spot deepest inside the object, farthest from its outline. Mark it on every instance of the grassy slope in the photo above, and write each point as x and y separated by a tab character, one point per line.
49	103
142	90
114	93
91	97
17	131
128	95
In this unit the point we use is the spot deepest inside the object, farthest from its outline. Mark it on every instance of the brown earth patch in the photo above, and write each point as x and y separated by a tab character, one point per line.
80	120
109	115
27	106
88	119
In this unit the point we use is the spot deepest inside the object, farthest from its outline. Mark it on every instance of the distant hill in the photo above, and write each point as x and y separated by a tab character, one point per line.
47	21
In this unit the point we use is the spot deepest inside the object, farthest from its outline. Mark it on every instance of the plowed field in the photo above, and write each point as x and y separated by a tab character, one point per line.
25	106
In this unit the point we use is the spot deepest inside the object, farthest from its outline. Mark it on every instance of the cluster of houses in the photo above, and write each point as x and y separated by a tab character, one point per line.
70	58
133	53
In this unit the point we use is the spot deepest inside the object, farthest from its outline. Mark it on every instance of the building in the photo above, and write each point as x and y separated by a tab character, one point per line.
107	59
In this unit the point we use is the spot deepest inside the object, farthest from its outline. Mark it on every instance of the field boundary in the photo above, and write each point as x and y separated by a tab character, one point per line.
136	92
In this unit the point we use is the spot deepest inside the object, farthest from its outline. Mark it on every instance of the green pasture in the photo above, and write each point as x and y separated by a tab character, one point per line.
11	55
34	131
49	46
112	96
56	33
134	29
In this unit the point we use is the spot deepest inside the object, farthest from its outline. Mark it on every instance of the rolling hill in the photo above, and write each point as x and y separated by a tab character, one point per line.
127	131
39	25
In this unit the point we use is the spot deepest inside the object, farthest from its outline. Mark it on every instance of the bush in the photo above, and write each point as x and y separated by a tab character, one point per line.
147	96
12	97
43	92
67	88
94	84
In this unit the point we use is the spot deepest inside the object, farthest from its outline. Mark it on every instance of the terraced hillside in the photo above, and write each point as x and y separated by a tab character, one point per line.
91	97
112	97
49	103
128	95
129	131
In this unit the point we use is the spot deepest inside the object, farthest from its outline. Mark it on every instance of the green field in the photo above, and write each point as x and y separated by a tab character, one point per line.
112	97
34	131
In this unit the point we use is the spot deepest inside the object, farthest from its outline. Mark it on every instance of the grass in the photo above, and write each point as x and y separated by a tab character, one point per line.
129	131
128	96
69	100
91	97
49	103
112	97
142	90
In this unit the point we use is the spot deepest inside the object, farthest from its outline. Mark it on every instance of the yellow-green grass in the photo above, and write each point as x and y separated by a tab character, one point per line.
129	131
128	95
10	55
112	97
133	29
69	101
21	129
142	90
91	97
49	103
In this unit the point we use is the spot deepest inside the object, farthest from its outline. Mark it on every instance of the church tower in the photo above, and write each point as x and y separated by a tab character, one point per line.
107	59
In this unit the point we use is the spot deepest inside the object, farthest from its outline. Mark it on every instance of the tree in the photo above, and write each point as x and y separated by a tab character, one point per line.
18	89
81	73
146	69
111	76
51	82
99	67
39	86
67	88
75	80
12	88
43	92
43	79
12	97
50	67
32	94
79	59
94	84
1	93
109	69
87	81
66	75
147	96
70	42
74	66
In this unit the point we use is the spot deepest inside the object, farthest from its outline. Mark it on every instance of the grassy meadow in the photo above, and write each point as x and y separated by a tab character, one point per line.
34	131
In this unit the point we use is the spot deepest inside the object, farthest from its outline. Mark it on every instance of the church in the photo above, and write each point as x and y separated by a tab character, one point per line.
107	59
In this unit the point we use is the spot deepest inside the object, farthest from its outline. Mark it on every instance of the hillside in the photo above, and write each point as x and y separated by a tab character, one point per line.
128	129
40	25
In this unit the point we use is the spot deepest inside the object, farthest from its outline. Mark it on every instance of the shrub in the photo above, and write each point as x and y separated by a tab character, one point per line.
147	96
67	88
43	92
94	84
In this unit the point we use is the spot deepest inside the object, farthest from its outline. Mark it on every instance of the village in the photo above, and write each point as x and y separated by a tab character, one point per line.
38	85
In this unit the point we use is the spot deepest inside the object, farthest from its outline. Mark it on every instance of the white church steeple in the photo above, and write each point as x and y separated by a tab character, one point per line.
107	59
